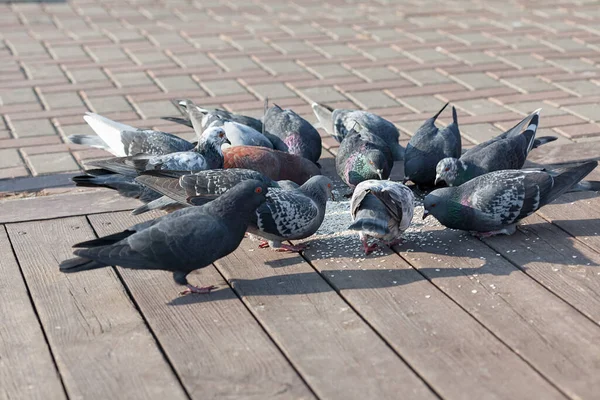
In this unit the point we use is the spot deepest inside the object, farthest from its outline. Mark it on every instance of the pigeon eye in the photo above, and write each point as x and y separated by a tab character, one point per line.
329	185
433	205
258	190
221	134
447	169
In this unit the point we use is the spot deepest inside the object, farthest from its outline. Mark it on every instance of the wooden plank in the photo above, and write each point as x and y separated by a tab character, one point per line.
553	337
215	345
559	153
102	347
26	366
64	205
444	344
336	352
555	259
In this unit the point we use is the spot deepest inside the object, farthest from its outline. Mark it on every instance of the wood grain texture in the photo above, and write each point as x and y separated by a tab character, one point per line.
64	205
336	352
217	348
558	261
557	340
444	344
100	342
26	366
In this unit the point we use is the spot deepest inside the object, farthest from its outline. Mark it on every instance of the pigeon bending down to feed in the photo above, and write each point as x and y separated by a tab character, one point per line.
180	242
298	135
382	210
126	186
363	156
275	164
428	146
493	203
339	123
182	106
290	212
208	185
506	151
123	140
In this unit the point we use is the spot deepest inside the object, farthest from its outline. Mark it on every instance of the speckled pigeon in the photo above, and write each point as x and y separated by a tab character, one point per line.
182	106
181	242
275	164
338	123
493	203
506	151
428	146
382	210
363	156
206	185
123	140
300	137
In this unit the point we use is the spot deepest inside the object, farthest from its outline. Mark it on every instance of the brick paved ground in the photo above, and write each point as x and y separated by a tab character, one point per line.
496	61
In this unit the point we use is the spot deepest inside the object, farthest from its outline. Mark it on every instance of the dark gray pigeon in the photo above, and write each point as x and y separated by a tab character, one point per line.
363	156
123	140
125	185
428	146
493	203
298	135
181	242
339	123
176	187
506	151
182	106
382	210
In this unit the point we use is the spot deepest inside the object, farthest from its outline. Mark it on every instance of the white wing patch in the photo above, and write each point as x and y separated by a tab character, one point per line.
109	131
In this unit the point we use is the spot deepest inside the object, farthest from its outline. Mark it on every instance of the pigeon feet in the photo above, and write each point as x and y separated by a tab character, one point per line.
297	248
263	245
369	248
195	289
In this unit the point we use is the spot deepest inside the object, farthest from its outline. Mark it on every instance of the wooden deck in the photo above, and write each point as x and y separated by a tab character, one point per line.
442	316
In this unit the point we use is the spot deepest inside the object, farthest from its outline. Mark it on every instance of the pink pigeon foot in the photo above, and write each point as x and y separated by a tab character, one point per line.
297	248
195	289
263	245
368	248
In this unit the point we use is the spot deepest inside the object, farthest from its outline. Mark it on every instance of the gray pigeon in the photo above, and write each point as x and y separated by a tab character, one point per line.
493	203
506	151
208	185
182	106
125	185
298	135
363	156
289	213
428	146
339	123
382	210
180	242
123	140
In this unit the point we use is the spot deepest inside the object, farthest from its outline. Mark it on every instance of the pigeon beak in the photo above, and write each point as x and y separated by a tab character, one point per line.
332	196
425	214
438	179
226	141
380	174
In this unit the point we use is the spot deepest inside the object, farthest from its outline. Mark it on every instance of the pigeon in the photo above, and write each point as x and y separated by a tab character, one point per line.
428	146
181	242
275	164
363	156
182	106
298	135
381	209
208	184
506	151
126	186
493	203
237	133
339	123
123	140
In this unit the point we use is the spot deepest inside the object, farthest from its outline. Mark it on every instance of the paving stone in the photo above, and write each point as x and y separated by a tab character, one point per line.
376	73
522	60
157	109
427	55
583	88
283	67
427	77
45	71
530	84
481	107
52	163
571	65
587	111
33	127
151	57
329	70
109	104
105	54
194	59
337	50
174	83
475	57
292	46
476	80
18	96
272	90
528	107
424	104
128	79
63	100
223	87
323	94
479	133
373	98
10	158
13	172
68	52
84	75
237	64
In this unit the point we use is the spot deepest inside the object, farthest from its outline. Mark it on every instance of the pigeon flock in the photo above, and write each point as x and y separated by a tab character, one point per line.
262	177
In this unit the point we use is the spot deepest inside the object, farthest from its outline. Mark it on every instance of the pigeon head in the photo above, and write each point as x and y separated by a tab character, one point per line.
448	170
215	135
376	163
371	164
320	186
437	203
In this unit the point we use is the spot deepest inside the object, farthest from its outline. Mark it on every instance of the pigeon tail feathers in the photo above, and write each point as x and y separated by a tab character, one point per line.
79	264
370	225
569	178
